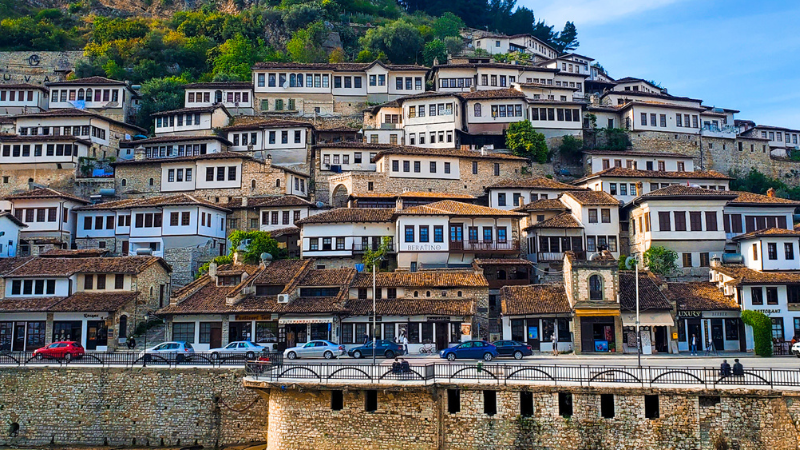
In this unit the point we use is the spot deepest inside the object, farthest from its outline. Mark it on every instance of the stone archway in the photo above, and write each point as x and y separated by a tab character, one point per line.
339	196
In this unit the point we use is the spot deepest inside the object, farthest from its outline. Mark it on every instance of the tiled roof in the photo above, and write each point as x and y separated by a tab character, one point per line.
592	198
451	152
88	80
269	124
23	86
313	305
288	231
327	277
196	109
700	296
153	202
220	85
336	67
547	204
681	191
624	153
62	267
650	296
208	156
775	232
268	202
413	306
563	220
28	304
534	299
208	298
415	194
751	199
282	272
503	262
8	265
44	193
173	138
534	183
74	112
90	301
350	215
743	275
237	269
492	93
622	172
80	253
453	208
433	279
11	217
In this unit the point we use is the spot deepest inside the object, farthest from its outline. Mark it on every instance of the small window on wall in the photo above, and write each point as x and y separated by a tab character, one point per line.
651	409
526	404
490	403
453	401
337	400
371	401
565	404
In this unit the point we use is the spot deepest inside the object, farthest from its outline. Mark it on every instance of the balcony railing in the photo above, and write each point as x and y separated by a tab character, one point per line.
558	256
484	246
361	248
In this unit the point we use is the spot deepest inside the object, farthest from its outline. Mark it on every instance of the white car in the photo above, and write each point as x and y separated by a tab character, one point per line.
238	348
315	349
796	349
173	347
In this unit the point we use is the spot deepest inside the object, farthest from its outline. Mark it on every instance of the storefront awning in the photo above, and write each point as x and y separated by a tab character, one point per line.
298	320
648	319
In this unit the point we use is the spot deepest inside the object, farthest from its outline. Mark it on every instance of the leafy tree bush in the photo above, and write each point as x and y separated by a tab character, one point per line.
571	148
448	24
375	256
306	45
523	140
400	41
236	56
616	139
160	94
762	331
661	260
434	51
454	45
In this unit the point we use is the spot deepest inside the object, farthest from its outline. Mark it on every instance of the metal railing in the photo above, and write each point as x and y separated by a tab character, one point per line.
131	359
484	246
584	375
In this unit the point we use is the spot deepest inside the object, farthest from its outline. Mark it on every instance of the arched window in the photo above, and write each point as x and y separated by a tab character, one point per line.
416	293
89	94
459	294
123	326
477	109
501	274
253	184
278	183
151	181
428	293
595	287
124	182
299	80
81	95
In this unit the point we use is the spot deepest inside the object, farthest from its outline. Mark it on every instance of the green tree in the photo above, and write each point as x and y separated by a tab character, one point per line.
160	94
661	260
259	242
571	148
448	24
377	255
236	56
400	41
306	45
454	45
523	140
434	51
762	331
616	139
568	38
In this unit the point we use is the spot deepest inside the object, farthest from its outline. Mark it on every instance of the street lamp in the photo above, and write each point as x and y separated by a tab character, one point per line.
374	307
631	260
145	341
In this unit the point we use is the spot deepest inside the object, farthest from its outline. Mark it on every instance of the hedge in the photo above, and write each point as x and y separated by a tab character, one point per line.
762	331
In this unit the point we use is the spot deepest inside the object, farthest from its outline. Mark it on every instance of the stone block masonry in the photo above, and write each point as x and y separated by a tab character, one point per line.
129	407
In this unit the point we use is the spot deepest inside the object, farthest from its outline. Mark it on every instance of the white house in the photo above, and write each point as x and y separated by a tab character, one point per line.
111	98
280	211
22	98
750	212
598	160
431	120
192	120
598	212
174	146
285	141
10	227
496	44
236	96
511	194
42	152
626	184
49	217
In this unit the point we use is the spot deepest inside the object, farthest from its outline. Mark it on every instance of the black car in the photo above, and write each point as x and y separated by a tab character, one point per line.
513	348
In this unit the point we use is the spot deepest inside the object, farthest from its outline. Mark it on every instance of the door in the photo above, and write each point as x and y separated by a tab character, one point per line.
717	335
91	335
216	337
742	337
442	338
456	236
532	334
19	337
126	248
694	328
587	336
661	339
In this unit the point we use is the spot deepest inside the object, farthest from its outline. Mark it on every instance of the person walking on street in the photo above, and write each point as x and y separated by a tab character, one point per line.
405	344
738	368
554	339
725	369
366	338
694	345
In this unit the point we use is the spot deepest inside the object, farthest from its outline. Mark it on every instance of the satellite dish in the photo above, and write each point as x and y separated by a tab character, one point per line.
630	262
285	84
320	204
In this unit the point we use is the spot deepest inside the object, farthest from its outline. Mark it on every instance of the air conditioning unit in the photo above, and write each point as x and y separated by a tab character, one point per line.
283	298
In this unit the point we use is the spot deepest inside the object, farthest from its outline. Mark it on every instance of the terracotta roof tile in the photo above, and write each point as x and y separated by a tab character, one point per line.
288	231
327	277
152	202
45	138
547	204
535	183
751	199
62	267
28	304
534	299
775	232
743	275
650	296
591	198
23	86
269	202
681	191
492	93
350	215
88	80
208	156
453	208
413	306
700	296
208	298
563	220
74	112
622	172
44	193
81	253
90	301
434	279
282	272
451	152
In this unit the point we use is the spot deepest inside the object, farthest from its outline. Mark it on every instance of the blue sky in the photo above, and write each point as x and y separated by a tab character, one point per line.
735	54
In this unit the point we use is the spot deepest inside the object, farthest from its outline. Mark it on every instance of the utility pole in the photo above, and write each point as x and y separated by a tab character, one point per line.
374	312
638	338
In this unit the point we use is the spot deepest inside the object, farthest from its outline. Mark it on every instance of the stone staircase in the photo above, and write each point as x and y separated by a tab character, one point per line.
155	336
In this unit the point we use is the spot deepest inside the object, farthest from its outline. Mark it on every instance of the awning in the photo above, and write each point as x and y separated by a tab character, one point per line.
648	318
298	320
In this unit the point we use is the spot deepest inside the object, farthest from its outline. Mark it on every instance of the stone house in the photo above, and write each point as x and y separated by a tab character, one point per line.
236	96
96	301
22	98
49	217
202	120
111	98
286	142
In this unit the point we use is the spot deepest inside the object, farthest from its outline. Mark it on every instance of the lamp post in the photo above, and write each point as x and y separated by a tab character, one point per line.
633	260
374	308
145	341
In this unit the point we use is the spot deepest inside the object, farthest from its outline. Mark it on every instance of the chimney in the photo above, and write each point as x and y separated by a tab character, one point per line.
238	258
716	261
244	201
212	270
771	192
138	153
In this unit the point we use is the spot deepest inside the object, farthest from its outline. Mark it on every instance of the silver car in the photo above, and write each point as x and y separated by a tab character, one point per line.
174	347
247	348
315	349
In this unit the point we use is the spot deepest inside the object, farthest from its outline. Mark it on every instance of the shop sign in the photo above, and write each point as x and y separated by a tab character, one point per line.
690	313
94	316
250	317
769	311
721	314
305	320
425	247
438	318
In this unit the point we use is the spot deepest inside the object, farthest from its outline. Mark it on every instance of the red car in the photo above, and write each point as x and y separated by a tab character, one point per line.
62	349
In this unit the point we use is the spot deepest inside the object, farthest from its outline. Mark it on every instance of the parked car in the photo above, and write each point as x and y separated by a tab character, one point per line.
470	350
796	349
170	348
385	348
516	349
239	348
61	349
315	349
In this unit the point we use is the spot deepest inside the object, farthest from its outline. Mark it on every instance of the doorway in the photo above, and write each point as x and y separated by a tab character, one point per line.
442	338
19	337
216	337
694	328
662	340
296	334
456	236
717	335
96	335
532	334
239	331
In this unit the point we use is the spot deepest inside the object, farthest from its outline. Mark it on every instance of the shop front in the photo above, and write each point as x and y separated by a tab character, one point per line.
600	331
429	331
654	333
22	332
258	328
295	330
91	329
715	330
538	332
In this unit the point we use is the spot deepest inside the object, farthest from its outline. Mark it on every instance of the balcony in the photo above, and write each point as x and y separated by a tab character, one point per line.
724	131
360	248
484	246
557	256
497	281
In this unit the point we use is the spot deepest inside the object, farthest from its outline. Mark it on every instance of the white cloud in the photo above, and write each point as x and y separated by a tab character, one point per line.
590	12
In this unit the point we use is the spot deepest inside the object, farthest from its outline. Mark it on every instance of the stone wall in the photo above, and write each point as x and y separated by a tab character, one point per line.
37	67
129	407
418	418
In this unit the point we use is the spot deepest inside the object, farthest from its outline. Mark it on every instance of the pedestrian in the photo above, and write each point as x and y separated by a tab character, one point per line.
131	343
738	368
405	344
366	338
725	369
694	345
554	339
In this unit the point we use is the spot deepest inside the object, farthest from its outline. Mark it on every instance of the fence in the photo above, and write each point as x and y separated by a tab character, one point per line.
131	359
583	375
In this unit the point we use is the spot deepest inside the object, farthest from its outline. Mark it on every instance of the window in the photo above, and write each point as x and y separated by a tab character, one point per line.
788	249
417	167
680	220
777	327
409	233
438	233
651	407
662	120
477	110
88	282
711	221
183	332
772	251
406	166
501	199
607	406
337	398
565	404
119	281
663	221
423	233
687	260
474	167
695	221
756	295
453	401
592	216
489	402
704	259
370	401
605	215
595	288
101	281
497	169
